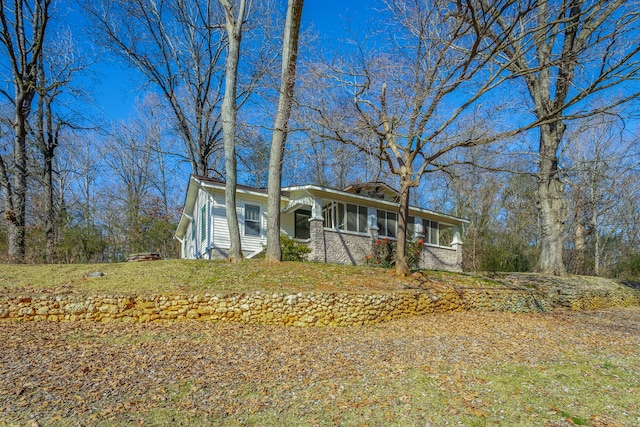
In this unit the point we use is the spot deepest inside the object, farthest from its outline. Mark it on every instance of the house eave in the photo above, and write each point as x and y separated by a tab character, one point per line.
319	191
240	189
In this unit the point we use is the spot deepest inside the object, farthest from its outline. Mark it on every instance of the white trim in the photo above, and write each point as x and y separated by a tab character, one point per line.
353	233
370	200
238	190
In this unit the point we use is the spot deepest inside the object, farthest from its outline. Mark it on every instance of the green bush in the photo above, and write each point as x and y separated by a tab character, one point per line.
503	257
293	250
629	267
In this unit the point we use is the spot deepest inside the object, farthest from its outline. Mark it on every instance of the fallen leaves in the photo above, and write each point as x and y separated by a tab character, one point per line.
105	372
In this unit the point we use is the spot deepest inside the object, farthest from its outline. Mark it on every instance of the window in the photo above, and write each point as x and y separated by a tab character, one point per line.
203	223
433	237
345	216
356	218
411	227
302	218
387	224
251	220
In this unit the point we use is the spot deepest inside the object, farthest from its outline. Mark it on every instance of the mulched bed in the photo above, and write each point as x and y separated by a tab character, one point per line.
96	372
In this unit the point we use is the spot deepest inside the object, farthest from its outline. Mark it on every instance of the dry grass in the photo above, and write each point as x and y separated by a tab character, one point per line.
200	276
472	369
210	276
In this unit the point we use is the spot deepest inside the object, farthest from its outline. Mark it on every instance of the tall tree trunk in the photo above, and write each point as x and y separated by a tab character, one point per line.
402	268
279	137
579	246
49	212
229	116
16	218
596	241
47	140
550	201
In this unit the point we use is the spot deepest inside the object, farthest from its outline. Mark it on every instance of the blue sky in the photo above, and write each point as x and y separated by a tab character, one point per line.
117	87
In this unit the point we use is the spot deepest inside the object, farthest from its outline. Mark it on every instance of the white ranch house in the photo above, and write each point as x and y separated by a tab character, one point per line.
340	226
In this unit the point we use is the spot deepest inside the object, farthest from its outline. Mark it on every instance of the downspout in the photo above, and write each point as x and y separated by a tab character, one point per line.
181	245
190	218
200	252
210	223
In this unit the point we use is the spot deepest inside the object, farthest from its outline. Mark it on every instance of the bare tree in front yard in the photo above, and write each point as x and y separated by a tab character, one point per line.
180	48
280	130
602	183
235	15
404	91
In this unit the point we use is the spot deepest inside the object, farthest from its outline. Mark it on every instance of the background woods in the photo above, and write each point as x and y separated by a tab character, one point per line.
521	117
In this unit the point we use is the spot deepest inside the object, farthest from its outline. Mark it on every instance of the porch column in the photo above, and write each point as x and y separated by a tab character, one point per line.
456	243
421	235
419	227
316	233
372	213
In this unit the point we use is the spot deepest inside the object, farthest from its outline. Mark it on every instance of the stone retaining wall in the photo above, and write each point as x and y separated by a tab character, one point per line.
302	309
595	299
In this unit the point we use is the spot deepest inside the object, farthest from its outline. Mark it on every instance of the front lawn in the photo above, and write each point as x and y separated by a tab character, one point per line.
200	276
466	368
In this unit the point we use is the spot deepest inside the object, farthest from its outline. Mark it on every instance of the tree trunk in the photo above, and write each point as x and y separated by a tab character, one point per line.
402	268
17	216
550	201
49	215
229	115
596	241
279	137
579	246
47	139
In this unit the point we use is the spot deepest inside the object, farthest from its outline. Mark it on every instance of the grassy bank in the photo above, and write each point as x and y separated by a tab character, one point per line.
199	276
193	276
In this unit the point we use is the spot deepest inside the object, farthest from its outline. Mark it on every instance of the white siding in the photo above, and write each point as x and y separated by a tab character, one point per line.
197	246
220	230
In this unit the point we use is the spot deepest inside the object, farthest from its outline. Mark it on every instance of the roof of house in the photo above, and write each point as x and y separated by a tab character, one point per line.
205	179
372	191
375	190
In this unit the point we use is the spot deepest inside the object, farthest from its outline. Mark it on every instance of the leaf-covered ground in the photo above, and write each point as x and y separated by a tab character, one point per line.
468	368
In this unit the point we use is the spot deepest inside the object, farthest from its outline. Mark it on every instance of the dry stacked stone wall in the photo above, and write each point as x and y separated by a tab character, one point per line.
301	309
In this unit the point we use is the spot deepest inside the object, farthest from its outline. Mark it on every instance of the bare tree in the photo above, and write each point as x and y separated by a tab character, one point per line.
129	157
179	47
279	138
564	51
411	84
234	21
56	69
22	37
600	164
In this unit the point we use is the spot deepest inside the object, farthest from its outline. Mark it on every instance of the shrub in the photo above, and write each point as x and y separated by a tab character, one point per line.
502	256
293	250
383	253
628	268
